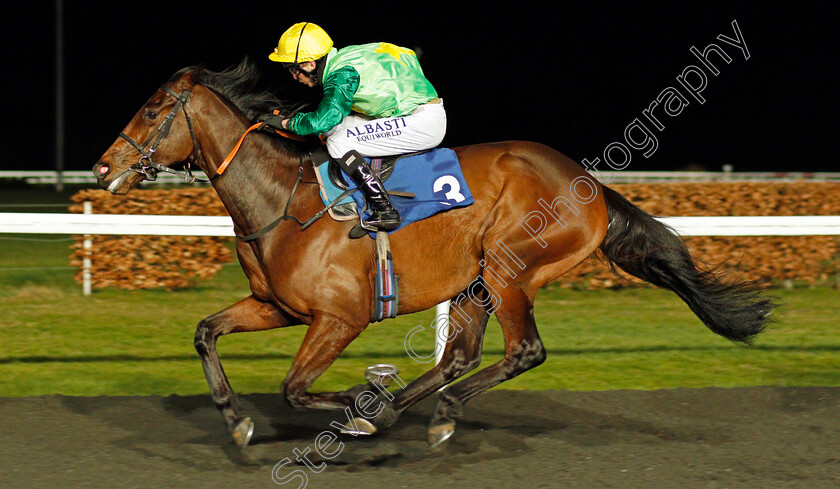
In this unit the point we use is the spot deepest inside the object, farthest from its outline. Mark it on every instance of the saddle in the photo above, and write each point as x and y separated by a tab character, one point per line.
382	167
433	182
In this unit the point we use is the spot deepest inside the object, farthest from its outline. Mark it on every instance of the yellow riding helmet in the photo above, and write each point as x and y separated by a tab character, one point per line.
300	43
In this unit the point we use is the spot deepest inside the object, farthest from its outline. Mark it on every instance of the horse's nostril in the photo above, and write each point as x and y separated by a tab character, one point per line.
103	169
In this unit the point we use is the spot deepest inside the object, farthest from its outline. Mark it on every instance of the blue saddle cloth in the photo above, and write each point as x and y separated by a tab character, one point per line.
434	177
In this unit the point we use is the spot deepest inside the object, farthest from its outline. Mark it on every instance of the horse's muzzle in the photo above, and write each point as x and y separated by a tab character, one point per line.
101	170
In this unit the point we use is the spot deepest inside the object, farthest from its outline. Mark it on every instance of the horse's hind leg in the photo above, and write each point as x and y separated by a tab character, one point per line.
523	351
249	314
461	354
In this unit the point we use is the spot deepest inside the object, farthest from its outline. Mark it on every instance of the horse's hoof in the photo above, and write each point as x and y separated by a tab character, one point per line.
362	427
243	432
438	434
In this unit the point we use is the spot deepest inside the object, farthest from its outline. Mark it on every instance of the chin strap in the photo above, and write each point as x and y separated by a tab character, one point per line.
316	74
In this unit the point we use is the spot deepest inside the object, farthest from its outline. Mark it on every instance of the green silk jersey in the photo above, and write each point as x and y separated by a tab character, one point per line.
377	80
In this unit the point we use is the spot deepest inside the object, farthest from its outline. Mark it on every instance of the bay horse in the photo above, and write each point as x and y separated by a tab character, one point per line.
320	278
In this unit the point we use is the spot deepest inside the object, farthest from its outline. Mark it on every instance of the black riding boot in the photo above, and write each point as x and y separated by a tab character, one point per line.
383	215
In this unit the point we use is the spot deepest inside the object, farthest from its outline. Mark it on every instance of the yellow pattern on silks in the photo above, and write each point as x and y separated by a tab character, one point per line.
394	50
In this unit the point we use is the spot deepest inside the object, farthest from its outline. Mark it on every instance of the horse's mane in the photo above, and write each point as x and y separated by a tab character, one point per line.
238	85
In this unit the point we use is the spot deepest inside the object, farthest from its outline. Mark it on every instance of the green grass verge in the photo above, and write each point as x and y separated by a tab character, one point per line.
53	340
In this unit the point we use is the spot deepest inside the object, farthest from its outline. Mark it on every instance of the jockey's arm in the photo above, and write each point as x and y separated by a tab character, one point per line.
339	88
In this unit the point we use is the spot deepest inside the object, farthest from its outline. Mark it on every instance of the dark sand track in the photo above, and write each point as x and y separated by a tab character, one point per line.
708	438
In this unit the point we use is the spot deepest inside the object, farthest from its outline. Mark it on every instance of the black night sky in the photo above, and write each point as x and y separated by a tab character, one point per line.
573	76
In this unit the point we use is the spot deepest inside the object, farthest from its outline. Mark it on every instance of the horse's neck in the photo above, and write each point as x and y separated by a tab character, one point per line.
256	187
257	184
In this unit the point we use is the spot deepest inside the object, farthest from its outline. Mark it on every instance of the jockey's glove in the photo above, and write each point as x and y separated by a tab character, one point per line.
273	120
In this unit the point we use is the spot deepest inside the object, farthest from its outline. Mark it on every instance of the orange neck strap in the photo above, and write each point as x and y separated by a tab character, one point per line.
226	162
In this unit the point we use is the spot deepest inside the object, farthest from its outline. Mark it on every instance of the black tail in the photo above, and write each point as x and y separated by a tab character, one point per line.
651	251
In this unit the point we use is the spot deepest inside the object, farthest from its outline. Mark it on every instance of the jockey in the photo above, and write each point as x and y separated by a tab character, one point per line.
377	102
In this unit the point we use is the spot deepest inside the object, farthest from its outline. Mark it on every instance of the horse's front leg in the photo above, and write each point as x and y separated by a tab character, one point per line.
249	314
325	339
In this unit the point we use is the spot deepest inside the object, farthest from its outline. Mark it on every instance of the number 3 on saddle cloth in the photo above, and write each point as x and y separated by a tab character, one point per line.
435	179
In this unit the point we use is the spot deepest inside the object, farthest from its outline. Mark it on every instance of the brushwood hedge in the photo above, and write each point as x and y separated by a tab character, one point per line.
142	262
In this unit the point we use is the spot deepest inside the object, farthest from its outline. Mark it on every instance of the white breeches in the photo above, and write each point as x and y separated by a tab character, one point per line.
423	129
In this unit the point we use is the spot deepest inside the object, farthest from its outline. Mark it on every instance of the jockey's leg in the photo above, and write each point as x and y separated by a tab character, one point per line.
383	215
357	136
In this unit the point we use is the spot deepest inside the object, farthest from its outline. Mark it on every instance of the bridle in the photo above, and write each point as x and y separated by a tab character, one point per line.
148	168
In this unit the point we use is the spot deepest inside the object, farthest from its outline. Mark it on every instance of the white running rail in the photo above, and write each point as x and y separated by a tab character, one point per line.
158	225
118	224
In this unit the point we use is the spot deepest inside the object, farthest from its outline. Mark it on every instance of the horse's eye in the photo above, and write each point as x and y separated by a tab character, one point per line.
151	115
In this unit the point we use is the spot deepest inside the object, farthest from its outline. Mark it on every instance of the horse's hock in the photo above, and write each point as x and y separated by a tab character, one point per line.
143	262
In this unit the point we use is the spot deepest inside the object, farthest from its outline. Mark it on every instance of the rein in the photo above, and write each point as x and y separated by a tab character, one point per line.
285	216
148	168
